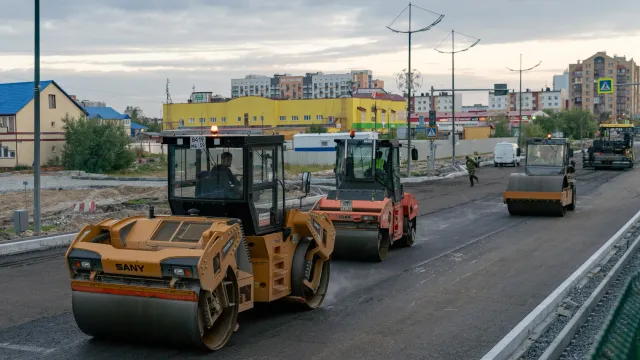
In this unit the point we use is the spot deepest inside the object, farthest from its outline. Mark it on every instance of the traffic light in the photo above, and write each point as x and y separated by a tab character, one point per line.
432	118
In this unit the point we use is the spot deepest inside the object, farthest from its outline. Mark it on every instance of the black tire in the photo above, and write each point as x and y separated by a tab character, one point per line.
410	233
572	206
298	275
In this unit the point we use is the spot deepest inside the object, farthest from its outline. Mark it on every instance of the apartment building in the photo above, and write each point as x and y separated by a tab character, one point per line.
561	82
310	86
624	102
443	102
498	102
537	100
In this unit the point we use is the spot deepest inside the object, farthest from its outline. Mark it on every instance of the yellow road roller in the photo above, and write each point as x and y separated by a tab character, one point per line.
547	186
228	243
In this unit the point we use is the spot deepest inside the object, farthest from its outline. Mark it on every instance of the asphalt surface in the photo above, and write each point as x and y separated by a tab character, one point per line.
473	274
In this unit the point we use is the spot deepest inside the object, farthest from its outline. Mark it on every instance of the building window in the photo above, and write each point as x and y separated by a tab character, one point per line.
261	118
192	120
5	153
201	120
307	117
181	122
294	118
239	118
318	117
52	101
212	120
224	119
53	124
255	119
283	118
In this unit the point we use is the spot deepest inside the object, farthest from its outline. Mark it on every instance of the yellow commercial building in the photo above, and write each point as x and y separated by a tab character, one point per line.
254	111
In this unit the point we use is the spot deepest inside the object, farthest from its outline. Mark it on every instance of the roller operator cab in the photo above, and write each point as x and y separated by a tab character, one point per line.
229	242
547	186
613	148
369	208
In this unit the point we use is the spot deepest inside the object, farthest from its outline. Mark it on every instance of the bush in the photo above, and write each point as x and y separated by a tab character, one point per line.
95	146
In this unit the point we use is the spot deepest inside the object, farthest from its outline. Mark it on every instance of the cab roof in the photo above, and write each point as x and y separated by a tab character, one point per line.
225	140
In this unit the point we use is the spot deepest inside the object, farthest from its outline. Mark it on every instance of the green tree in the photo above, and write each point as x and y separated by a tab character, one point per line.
95	146
570	121
501	128
317	129
532	130
549	123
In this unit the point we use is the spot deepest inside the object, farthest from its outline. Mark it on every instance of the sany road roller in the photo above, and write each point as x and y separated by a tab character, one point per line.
228	243
547	186
369	209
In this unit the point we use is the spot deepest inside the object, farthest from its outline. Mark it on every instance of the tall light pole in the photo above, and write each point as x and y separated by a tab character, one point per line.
453	52
521	70
36	122
409	72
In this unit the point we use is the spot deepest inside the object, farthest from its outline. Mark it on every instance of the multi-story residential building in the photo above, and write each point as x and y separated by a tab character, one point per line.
310	86
475	107
251	85
498	102
561	82
331	85
624	102
537	100
443	102
134	110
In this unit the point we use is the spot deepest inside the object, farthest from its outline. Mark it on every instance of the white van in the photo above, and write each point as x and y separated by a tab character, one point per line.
506	154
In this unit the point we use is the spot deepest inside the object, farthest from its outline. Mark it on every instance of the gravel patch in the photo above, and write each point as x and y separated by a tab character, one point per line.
587	336
581	344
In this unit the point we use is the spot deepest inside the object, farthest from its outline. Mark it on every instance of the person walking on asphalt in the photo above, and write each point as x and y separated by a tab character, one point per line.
471	168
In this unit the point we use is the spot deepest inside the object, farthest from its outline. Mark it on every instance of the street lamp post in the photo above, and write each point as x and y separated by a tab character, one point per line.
453	52
521	70
409	72
36	122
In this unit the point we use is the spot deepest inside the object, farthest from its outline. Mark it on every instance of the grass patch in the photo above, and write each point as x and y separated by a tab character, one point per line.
152	169
299	169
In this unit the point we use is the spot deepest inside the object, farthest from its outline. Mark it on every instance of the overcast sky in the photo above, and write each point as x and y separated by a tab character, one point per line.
123	51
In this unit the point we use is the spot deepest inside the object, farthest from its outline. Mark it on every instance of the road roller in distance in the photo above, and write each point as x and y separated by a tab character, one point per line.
546	187
612	149
369	208
228	243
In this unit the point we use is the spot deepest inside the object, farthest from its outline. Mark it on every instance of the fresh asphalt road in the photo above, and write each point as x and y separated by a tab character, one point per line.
473	274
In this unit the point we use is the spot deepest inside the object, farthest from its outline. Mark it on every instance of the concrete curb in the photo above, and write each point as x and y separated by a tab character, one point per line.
18	247
512	341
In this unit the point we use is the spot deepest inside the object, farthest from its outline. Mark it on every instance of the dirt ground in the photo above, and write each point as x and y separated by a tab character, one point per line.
111	202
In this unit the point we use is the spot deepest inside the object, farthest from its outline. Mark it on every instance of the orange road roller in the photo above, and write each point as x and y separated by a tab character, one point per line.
369	209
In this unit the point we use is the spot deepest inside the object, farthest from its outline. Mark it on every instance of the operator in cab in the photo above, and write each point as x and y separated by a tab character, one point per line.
225	166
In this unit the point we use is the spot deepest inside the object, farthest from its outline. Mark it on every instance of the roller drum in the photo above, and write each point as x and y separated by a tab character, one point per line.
136	318
536	184
361	245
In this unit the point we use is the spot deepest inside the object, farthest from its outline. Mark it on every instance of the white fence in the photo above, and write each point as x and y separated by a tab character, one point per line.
443	150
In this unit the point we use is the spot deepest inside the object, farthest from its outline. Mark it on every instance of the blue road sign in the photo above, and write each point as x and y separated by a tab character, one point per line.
605	86
432	133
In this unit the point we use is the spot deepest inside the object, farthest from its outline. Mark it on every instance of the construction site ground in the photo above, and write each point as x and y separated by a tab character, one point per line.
472	275
114	198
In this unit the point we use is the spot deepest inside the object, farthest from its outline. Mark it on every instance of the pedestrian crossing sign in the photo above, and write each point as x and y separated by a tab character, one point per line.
605	86
432	133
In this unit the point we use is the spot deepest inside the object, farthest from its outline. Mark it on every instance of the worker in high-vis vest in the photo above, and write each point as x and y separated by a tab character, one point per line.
379	161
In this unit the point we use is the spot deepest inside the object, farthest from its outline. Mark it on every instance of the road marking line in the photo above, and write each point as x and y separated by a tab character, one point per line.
26	348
